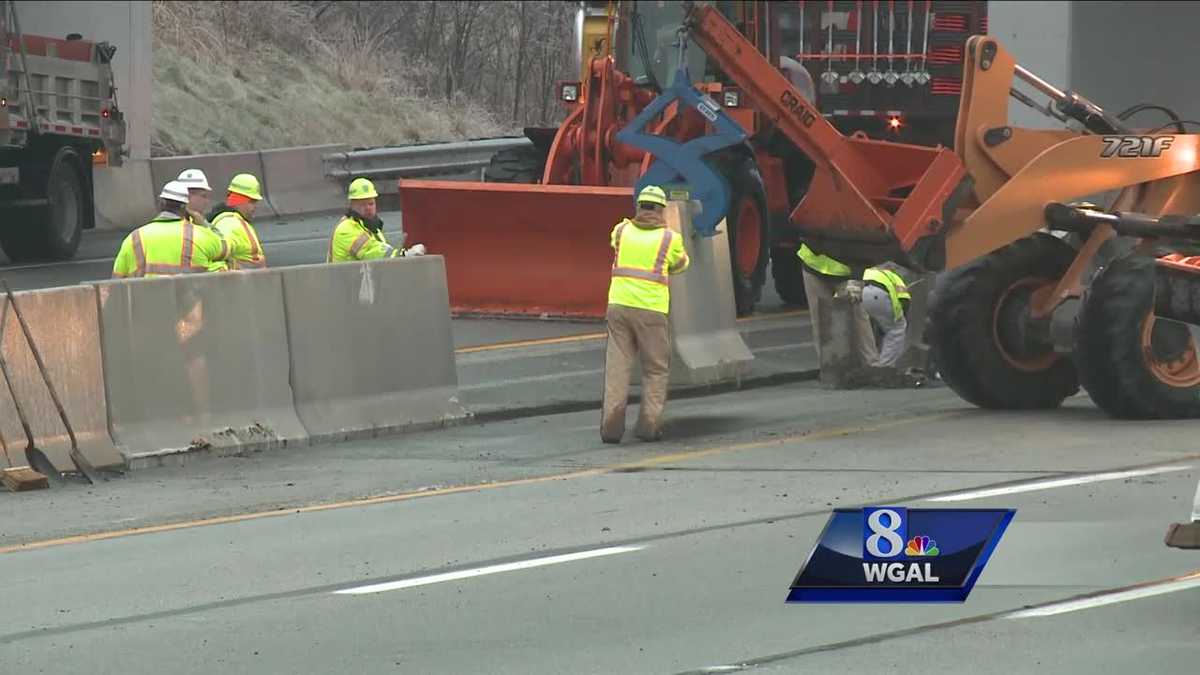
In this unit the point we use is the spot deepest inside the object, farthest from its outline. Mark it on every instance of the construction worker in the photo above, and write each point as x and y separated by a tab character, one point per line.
823	277
199	194
359	234
171	243
232	221
885	298
646	252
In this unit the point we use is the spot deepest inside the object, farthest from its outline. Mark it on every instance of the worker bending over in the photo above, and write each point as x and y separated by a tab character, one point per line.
885	298
823	276
171	243
232	220
359	234
646	252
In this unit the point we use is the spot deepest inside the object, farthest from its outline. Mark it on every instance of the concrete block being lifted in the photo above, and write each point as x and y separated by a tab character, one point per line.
707	348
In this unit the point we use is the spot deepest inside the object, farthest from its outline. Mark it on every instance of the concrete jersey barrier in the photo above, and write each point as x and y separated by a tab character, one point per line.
66	331
708	348
371	347
197	362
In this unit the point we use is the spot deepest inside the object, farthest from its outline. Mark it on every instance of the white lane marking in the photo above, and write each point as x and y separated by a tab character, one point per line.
1109	598
491	569
1058	482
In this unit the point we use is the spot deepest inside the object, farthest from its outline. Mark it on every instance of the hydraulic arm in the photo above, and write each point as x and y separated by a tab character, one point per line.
868	200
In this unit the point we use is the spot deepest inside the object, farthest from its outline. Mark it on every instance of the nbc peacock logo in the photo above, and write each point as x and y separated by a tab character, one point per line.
921	546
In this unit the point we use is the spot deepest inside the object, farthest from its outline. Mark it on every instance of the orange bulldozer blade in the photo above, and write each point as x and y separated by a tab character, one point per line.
531	250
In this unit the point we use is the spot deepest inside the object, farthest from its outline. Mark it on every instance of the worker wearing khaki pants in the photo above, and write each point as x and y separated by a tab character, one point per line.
646	253
822	278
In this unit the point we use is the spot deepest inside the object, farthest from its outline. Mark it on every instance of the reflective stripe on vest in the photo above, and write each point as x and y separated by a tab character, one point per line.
891	282
823	264
258	259
658	274
185	255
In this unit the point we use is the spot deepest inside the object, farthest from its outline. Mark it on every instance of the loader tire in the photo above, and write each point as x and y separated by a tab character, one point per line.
748	233
522	164
788	274
970	333
1133	365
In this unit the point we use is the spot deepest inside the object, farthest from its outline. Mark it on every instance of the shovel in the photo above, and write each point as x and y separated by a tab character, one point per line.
37	458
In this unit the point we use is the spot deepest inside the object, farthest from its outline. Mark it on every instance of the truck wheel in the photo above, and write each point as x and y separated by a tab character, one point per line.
788	273
749	247
522	164
53	231
1132	364
974	328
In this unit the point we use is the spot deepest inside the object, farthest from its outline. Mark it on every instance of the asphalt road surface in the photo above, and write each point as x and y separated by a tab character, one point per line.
528	546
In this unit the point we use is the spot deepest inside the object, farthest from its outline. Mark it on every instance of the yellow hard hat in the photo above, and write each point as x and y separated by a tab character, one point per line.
652	194
246	184
362	188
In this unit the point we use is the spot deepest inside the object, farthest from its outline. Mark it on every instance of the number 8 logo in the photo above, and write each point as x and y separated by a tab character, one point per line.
886	533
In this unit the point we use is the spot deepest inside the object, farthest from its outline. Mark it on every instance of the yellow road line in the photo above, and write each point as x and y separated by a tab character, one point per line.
584	337
477	487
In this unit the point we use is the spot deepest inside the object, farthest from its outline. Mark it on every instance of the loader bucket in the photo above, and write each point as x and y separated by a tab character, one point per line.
527	250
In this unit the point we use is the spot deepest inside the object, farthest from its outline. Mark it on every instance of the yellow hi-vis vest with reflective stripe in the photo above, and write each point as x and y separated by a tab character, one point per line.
642	263
353	241
894	285
170	245
822	264
245	249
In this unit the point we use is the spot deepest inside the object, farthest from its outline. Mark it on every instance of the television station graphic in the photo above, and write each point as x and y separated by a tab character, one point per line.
894	554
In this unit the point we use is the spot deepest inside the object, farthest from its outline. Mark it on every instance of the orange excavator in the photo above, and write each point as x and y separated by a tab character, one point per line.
533	239
1039	290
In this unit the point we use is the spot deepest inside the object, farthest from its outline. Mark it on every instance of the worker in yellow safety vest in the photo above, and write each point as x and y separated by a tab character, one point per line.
885	298
232	220
646	252
359	234
171	244
199	195
823	276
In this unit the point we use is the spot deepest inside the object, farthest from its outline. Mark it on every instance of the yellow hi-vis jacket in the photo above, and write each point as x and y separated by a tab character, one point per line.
823	264
353	240
245	249
891	282
643	259
170	245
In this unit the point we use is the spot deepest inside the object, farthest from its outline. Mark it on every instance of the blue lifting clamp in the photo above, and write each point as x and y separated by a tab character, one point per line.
676	162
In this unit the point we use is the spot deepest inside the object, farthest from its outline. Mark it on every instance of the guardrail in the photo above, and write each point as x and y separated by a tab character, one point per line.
417	161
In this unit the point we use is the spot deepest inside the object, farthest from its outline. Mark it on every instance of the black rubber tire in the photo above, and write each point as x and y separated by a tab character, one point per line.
515	165
1108	344
961	322
745	182
50	232
788	274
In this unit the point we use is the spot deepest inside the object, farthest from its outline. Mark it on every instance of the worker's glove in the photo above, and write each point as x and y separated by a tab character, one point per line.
415	250
851	290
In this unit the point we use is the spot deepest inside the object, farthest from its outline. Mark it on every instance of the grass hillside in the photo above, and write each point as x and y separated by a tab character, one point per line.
236	76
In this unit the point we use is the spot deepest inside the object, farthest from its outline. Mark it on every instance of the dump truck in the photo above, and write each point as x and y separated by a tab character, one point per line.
58	118
883	70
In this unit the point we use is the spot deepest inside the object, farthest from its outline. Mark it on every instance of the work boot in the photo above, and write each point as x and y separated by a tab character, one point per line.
646	432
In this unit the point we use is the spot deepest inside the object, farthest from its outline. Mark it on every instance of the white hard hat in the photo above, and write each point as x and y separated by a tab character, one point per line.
194	178
175	191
